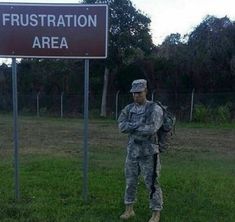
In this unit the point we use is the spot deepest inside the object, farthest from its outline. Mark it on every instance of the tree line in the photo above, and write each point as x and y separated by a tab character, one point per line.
203	60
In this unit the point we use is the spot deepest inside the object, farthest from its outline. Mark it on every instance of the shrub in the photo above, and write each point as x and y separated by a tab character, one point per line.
201	113
222	114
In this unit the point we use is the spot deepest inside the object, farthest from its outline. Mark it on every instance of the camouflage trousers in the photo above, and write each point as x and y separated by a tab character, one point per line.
144	166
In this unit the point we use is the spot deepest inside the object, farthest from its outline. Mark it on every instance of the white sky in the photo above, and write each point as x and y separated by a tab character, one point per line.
182	16
171	16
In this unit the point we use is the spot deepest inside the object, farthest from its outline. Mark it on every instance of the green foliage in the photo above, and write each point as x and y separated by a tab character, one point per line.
129	32
49	76
201	113
222	114
204	114
211	46
5	79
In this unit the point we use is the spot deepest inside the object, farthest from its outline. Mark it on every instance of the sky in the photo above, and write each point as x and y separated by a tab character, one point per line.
182	16
171	16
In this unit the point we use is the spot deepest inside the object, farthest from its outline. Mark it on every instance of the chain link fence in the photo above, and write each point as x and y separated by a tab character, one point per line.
63	105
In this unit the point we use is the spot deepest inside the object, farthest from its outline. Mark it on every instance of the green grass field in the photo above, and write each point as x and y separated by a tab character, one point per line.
197	177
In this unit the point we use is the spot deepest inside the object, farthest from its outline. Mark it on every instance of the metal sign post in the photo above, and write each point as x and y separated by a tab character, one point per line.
85	136
15	127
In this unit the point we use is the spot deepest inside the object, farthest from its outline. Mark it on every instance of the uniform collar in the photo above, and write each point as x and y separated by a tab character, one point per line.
140	105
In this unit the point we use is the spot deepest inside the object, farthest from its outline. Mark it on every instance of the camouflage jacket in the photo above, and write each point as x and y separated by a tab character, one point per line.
141	123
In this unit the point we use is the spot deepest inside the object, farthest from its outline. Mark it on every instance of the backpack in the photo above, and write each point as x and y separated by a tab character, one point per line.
167	128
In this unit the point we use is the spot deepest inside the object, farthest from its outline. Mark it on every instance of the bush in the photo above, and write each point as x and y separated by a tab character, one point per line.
201	113
222	114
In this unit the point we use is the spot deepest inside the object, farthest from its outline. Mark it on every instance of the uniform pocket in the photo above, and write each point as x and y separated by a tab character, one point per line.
132	150
149	149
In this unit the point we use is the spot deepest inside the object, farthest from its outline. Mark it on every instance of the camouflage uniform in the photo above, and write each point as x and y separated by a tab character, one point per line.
141	126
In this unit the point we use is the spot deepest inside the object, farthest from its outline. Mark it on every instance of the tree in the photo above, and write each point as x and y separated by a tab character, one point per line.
5	79
129	37
204	61
50	76
211	47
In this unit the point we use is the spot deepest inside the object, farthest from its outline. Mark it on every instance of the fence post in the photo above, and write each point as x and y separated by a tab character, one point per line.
153	94
38	108
61	105
116	112
191	109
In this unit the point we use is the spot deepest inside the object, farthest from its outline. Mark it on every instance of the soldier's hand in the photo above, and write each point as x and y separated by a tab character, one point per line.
142	120
133	125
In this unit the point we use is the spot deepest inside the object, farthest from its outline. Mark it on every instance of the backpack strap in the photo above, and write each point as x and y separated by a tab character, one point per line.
162	106
130	106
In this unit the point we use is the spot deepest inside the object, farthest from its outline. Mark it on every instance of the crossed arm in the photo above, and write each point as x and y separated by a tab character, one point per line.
140	127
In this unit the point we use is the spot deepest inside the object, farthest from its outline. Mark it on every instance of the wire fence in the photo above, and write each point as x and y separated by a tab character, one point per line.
40	136
63	105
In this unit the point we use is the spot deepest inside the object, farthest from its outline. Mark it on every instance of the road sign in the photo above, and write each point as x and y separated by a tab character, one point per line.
53	30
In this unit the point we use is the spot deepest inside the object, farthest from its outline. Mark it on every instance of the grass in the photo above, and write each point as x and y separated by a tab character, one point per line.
210	125
197	174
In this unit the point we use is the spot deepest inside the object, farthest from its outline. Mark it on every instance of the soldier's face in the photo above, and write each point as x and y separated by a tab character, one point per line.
140	97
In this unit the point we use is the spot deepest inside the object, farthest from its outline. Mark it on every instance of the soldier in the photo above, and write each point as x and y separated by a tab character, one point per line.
141	121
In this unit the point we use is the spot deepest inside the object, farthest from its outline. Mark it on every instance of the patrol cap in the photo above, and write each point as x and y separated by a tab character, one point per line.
138	85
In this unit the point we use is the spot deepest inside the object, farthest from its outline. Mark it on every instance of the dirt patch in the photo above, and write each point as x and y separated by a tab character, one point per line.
218	140
61	136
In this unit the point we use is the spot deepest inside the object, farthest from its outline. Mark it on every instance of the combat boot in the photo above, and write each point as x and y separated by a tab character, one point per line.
129	212
155	216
